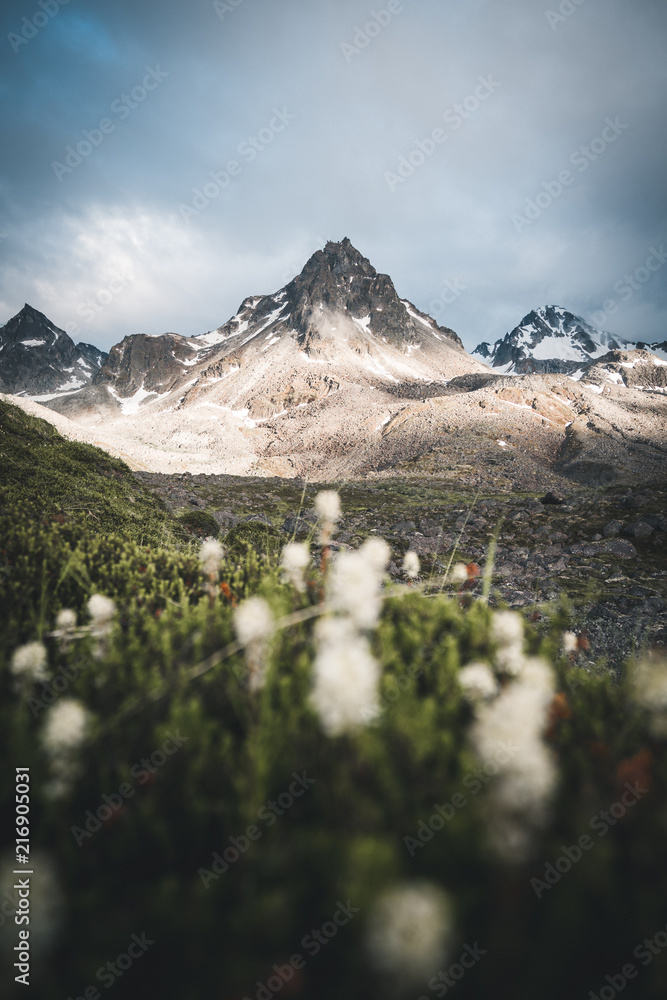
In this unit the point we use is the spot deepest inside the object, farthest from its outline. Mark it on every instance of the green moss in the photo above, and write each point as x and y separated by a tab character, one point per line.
152	866
45	475
252	536
200	523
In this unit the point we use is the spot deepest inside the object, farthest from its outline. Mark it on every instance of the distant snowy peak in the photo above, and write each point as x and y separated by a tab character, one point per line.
553	340
39	360
549	340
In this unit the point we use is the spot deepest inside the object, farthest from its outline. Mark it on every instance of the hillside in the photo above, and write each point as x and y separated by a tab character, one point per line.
47	476
552	340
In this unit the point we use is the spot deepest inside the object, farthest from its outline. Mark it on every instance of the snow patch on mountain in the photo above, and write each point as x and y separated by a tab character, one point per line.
552	340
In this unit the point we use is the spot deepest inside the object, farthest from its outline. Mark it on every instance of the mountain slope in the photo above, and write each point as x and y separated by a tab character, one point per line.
634	369
38	359
335	376
551	340
46	476
294	381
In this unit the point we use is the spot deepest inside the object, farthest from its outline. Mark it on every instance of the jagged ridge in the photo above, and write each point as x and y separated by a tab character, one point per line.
37	358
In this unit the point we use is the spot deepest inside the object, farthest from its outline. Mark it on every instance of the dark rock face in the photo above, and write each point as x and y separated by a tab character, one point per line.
571	346
92	354
155	364
339	279
37	358
552	498
633	369
572	343
640	529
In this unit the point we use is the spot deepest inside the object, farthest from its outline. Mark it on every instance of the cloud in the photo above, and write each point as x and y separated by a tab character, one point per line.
353	117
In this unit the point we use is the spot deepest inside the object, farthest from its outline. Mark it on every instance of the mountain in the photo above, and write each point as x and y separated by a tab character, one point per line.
295	380
634	369
551	340
339	314
336	376
39	360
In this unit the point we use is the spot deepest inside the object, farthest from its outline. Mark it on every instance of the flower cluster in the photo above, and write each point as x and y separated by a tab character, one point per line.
294	562
478	683
649	691
211	555
514	718
28	664
409	932
354	582
346	675
411	565
65	630
345	693
328	510
101	610
254	626
458	573
65	731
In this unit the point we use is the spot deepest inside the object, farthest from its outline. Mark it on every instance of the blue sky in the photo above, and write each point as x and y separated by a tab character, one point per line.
490	156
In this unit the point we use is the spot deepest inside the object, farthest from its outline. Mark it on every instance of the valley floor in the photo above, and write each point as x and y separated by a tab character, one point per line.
604	549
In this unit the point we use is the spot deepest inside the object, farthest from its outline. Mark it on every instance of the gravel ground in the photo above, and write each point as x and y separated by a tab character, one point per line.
605	549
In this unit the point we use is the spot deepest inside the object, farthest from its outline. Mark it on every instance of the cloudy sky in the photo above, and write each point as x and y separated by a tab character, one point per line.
161	161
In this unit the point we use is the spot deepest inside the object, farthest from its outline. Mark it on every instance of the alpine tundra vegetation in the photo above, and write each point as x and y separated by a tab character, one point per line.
302	756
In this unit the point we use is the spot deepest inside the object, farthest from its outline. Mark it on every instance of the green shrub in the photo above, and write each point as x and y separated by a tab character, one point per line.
200	523
152	865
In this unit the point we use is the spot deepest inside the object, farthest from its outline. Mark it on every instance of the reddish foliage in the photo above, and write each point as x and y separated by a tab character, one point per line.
599	750
224	587
559	709
636	769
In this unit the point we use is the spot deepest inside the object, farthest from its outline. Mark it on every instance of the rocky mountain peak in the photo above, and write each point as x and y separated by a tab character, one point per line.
342	260
149	365
339	281
549	340
38	358
28	324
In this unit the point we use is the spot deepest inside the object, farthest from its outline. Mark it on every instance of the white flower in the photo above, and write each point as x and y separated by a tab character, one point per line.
410	932
65	627
353	587
507	632
649	691
411	565
294	562
66	619
28	663
478	683
458	573
327	506
507	737
509	660
346	677
65	728
254	625
569	642
211	555
538	675
253	621
518	716
526	787
507	628
378	554
101	609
